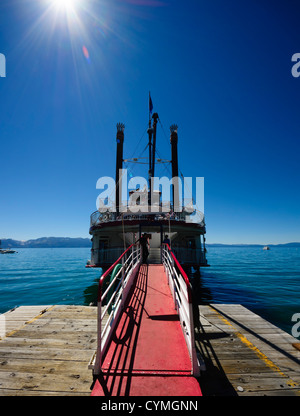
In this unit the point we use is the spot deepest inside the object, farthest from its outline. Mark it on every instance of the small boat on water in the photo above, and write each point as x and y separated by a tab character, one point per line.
266	248
6	250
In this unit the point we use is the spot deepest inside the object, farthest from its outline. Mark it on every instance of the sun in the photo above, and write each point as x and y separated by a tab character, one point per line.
66	5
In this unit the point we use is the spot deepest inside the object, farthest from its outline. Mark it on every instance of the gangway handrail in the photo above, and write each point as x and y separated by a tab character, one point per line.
130	261
182	295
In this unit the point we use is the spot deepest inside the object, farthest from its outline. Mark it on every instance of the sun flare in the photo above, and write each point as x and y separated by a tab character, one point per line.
64	4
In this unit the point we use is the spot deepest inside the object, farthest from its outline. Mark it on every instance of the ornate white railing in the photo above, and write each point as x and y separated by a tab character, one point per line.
111	299
182	295
98	218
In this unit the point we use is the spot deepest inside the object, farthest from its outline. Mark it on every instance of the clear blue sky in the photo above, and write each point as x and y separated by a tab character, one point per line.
219	69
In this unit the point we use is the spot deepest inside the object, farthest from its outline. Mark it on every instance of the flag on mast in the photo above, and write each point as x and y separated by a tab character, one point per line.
150	105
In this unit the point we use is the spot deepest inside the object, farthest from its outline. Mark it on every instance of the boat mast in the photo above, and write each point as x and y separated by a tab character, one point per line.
150	132
155	118
119	162
152	145
174	141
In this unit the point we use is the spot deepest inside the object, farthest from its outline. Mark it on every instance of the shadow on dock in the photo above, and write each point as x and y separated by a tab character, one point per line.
242	352
213	381
260	337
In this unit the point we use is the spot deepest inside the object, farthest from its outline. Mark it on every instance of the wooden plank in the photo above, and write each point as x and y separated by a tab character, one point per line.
72	381
46	354
40	365
244	366
48	343
63	325
53	333
261	382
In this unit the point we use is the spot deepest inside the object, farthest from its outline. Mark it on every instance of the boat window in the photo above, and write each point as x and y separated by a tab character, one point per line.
103	242
191	242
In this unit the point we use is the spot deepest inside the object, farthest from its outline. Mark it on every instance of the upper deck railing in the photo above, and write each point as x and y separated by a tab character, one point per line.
98	217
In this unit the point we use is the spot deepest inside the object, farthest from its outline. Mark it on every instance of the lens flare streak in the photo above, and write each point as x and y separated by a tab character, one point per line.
86	53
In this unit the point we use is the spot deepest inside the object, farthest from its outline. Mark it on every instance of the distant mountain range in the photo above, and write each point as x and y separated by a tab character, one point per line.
44	242
254	245
57	242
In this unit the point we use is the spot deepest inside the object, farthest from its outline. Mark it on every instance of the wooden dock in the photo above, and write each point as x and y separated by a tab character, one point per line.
45	350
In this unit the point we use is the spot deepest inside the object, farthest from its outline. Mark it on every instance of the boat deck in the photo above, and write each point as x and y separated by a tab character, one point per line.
46	351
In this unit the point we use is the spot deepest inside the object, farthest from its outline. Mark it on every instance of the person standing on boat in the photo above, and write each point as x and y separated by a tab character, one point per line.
166	240
144	244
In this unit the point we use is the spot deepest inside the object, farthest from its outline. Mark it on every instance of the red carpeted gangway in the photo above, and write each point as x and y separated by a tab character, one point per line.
145	329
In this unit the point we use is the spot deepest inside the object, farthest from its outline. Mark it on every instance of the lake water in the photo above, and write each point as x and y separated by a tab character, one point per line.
46	276
266	282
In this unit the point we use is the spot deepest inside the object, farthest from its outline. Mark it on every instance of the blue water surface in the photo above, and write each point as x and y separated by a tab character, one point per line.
46	276
266	282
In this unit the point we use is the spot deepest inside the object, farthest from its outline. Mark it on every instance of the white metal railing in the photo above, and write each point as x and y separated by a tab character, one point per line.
182	295
111	299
